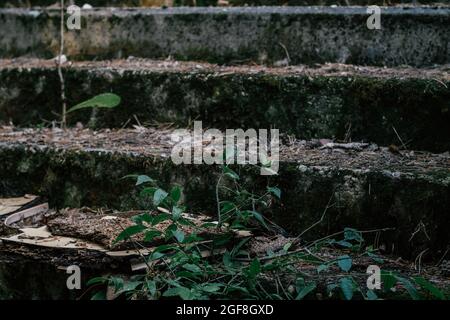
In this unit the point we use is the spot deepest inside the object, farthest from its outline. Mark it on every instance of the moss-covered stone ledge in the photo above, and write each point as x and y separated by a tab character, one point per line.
330	101
414	36
201	3
369	189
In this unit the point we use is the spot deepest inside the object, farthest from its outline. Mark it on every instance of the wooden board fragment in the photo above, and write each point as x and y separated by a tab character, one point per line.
10	205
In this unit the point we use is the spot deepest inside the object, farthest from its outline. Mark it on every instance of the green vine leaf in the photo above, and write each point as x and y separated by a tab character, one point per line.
130	231
345	263
346	285
104	100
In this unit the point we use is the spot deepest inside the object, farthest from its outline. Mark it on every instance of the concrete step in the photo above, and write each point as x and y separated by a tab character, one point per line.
336	2
344	102
200	3
367	188
415	36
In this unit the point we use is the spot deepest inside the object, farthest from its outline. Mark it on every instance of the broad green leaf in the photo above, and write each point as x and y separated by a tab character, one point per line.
265	162
130	231
148	191
176	213
175	194
187	222
128	176
185	293
104	100
425	284
156	255
344	244
161	218
151	285
192	238
212	287
100	295
192	267
143	179
388	279
275	191
346	285
305	290
322	267
227	260
230	173
229	154
227	207
182	292
140	218
352	234
260	218
415	295
371	295
254	214
169	232
96	281
173	283
179	235
287	246
345	263
159	197
375	257
117	283
254	268
151	235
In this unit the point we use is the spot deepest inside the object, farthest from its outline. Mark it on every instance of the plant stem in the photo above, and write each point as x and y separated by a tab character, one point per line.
60	74
219	220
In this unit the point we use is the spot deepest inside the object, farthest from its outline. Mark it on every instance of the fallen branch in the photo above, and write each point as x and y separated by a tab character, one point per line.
358	146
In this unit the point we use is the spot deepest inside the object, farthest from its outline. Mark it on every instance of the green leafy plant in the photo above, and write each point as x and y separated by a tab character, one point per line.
104	100
183	264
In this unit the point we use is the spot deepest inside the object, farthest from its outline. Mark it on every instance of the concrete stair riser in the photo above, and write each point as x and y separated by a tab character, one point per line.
364	198
309	105
413	36
200	3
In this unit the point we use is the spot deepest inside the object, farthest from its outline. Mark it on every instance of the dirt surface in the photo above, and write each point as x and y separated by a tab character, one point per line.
157	142
439	73
263	246
102	226
103	229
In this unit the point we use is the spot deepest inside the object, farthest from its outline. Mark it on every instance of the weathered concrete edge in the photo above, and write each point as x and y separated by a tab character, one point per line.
364	199
308	106
342	31
291	10
201	3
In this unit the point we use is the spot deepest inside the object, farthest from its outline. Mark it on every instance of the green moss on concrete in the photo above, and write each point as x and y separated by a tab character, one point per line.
203	3
372	199
367	108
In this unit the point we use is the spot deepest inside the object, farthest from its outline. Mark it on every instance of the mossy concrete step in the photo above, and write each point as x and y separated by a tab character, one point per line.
109	3
329	101
200	3
414	36
367	188
335	2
